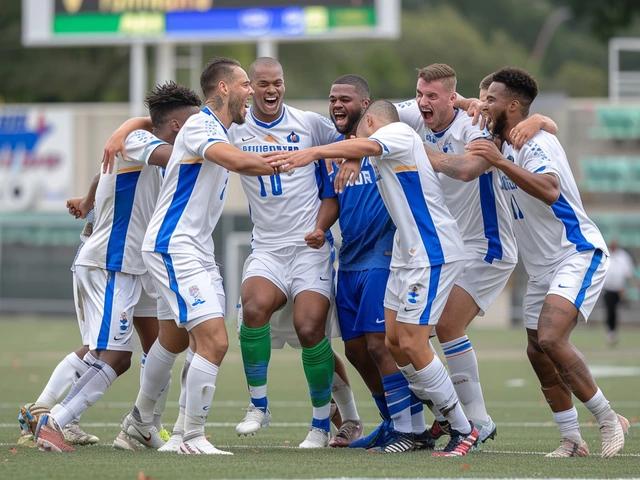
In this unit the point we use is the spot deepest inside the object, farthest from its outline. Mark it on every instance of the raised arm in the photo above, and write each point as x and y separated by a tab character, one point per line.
543	186
529	127
116	141
236	160
466	167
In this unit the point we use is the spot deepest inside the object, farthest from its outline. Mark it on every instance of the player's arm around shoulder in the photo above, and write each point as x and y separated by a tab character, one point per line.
234	159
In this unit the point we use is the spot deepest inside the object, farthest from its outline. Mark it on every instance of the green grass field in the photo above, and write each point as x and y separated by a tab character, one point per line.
30	349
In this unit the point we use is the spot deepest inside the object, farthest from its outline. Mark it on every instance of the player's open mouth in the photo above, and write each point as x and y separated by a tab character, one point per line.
339	117
427	114
271	102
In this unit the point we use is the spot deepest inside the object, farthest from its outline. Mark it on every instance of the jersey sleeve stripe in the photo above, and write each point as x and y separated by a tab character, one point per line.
105	326
490	217
567	216
189	161
129	170
406	168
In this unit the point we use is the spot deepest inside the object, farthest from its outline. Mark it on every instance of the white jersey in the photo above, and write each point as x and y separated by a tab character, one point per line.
479	207
284	207
427	234
193	191
125	200
546	234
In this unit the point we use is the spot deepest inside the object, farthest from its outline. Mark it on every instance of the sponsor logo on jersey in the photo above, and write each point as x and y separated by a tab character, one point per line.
269	138
269	148
194	291
293	137
506	183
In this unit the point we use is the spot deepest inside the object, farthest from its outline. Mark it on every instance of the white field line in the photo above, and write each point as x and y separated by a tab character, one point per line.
307	404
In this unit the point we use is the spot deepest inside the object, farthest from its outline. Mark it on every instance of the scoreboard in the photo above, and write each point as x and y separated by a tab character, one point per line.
95	22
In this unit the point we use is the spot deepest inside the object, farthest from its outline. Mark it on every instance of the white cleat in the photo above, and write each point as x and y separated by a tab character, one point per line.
254	420
123	442
74	435
144	433
569	448
612	435
173	445
200	446
316	438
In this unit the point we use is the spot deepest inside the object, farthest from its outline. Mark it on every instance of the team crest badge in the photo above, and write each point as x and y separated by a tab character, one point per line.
293	137
413	295
124	322
194	291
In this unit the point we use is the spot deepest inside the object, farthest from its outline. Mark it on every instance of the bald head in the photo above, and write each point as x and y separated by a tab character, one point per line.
264	63
383	110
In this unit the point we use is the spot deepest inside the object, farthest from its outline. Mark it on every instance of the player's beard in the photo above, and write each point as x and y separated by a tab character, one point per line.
353	118
236	108
500	124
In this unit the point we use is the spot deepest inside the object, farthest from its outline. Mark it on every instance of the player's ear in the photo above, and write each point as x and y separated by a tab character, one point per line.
223	88
514	105
175	125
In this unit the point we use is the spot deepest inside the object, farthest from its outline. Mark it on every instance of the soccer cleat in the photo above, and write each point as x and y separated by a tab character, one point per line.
424	441
74	435
374	439
124	442
459	444
26	440
612	435
146	434
316	438
350	431
254	420
439	429
200	446
489	432
28	416
569	448
173	444
49	435
164	434
396	442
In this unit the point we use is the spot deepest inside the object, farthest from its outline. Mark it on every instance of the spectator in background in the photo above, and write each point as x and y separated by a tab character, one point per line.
621	270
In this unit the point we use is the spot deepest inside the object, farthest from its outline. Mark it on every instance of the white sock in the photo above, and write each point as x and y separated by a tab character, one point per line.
157	373
178	427
87	391
89	359
433	382
600	408
201	385
343	395
418	424
463	370
568	424
143	360
69	370
160	407
410	372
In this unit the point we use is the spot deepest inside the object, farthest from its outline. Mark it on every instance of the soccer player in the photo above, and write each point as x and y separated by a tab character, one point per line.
109	267
365	254
564	254
473	196
179	252
428	254
290	258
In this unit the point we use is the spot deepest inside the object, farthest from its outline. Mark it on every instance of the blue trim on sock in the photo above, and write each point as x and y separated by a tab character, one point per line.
323	424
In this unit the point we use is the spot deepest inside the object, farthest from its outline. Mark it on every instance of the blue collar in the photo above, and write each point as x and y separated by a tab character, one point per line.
208	111
267	125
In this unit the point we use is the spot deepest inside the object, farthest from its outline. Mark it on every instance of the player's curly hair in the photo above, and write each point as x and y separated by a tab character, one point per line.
520	83
164	99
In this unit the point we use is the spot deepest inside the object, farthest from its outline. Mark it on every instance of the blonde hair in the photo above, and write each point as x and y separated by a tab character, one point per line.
439	71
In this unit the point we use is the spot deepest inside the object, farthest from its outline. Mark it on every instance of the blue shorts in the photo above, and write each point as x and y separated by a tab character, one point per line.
359	301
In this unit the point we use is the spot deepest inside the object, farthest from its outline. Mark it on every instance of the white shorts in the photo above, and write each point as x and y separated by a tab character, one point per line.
147	306
108	299
579	278
190	287
77	302
484	281
293	269
282	329
420	294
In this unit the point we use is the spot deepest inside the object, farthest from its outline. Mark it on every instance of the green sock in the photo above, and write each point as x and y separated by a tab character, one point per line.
255	344
318	364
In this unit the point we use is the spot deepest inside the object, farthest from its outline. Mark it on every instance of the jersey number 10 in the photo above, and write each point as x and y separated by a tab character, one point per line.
276	185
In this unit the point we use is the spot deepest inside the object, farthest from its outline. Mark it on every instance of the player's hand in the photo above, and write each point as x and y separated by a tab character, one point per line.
526	130
487	150
476	111
114	145
316	238
348	173
73	205
285	161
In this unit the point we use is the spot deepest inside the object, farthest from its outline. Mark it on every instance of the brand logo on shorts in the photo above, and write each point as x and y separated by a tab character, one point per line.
194	291
379	321
563	286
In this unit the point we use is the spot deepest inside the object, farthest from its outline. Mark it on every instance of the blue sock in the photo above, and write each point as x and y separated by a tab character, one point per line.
398	397
381	403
